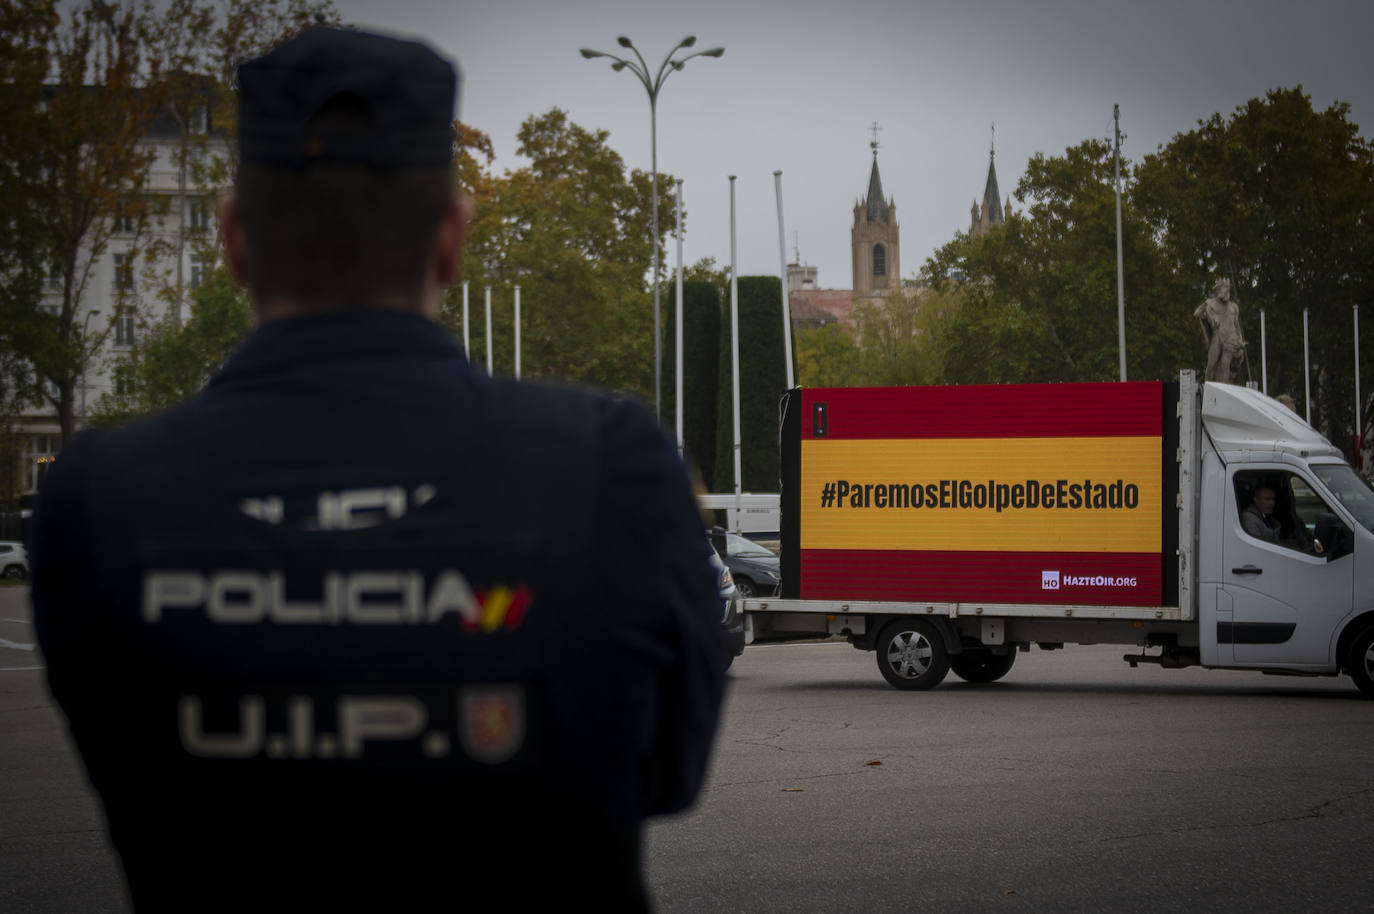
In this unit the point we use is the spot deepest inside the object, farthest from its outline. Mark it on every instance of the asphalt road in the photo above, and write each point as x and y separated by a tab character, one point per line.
1076	784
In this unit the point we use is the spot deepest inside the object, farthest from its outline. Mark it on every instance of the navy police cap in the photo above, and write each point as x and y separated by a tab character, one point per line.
404	91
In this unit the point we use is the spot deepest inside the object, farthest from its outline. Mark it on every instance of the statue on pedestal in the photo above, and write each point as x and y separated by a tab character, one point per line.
1220	319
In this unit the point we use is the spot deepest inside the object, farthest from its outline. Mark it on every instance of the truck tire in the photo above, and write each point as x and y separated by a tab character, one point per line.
912	655
1359	661
981	665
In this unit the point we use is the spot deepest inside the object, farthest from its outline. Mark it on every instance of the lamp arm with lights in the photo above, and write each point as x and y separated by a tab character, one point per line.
641	73
663	68
652	87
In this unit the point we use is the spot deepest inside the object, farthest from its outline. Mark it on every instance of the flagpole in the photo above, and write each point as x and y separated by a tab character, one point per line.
677	324
489	346
782	276
734	354
1120	273
517	333
467	347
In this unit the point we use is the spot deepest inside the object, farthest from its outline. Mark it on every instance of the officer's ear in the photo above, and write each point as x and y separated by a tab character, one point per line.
451	238
231	235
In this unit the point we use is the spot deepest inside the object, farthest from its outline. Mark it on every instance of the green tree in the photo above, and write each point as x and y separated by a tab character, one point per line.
829	356
174	361
707	270
991	336
889	339
573	230
16	394
936	308
192	51
82	86
1278	198
701	335
1037	296
762	382
25	259
83	152
472	177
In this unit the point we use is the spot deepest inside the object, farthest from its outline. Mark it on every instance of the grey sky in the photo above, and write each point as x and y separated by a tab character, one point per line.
802	80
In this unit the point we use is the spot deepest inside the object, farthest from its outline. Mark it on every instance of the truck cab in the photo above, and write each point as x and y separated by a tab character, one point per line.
1290	585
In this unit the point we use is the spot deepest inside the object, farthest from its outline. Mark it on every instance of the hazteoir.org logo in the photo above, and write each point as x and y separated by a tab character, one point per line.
1053	580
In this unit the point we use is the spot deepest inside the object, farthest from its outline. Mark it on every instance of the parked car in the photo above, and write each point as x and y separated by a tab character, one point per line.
731	619
756	569
14	561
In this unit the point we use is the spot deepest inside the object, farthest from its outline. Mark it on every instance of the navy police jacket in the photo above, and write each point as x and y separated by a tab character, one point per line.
357	626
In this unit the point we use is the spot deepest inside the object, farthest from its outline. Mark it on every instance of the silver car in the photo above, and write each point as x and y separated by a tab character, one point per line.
731	618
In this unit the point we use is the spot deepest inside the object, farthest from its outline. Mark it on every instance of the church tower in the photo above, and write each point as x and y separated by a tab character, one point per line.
991	213
873	240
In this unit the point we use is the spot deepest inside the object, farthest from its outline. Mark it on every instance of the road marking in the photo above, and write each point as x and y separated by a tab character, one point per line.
18	669
16	645
20	621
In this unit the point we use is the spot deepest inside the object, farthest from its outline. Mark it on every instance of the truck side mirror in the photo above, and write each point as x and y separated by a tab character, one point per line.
1333	535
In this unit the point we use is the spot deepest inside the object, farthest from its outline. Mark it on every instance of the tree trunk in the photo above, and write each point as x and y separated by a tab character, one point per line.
66	409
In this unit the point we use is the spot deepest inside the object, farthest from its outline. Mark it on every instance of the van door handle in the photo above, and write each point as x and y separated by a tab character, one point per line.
1248	569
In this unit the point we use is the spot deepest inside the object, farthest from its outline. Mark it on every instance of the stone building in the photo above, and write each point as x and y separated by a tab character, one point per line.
874	241
875	252
800	276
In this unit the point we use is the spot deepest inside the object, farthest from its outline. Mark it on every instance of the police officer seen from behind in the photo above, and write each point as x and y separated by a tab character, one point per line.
355	628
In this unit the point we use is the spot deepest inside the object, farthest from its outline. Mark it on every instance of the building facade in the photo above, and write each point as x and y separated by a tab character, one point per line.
874	241
146	274
875	251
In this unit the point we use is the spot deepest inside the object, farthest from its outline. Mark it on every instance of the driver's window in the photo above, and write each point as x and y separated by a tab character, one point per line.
1324	526
1280	507
1307	505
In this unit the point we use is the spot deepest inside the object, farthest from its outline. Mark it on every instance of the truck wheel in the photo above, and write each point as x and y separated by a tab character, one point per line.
912	655
1360	661
982	665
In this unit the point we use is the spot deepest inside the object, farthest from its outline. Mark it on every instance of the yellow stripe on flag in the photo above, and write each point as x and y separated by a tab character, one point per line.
494	608
886	478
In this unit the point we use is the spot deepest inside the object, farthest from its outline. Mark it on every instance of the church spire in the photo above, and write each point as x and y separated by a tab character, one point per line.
992	200
876	204
991	213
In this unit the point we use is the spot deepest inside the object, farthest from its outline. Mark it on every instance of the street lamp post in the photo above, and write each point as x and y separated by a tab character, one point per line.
652	85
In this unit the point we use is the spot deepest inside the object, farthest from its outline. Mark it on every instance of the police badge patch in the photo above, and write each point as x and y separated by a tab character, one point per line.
493	722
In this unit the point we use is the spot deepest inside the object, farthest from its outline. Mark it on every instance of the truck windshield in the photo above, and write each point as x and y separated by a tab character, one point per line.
1352	491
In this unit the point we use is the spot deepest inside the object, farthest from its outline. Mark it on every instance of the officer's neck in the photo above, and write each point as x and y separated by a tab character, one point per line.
279	308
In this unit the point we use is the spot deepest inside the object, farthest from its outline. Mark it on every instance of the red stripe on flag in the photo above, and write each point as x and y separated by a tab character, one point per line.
1083	578
987	411
519	603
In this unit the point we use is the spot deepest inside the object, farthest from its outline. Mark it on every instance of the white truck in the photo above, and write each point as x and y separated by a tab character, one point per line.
753	514
949	528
